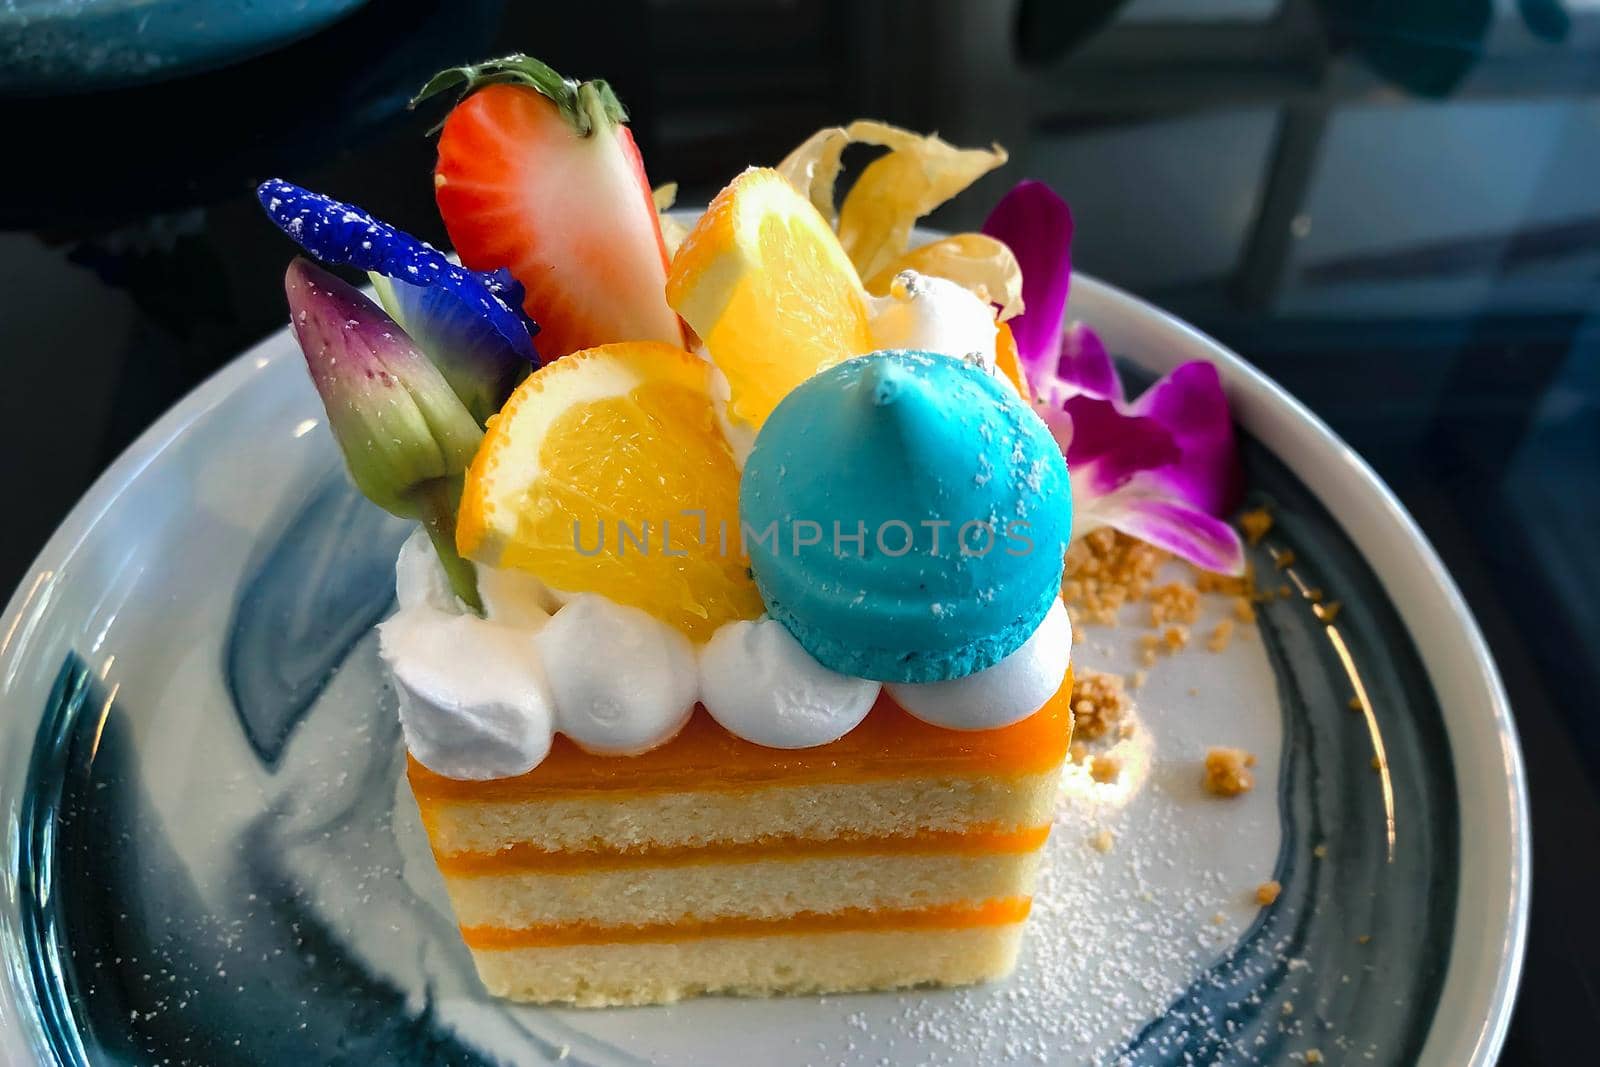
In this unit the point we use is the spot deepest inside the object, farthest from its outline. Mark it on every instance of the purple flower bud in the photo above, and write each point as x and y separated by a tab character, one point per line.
401	427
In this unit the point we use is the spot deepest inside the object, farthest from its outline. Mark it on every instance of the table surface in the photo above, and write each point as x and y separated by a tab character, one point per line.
1395	215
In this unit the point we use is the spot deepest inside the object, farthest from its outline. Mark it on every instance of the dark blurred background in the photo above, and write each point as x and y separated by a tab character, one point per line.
1393	208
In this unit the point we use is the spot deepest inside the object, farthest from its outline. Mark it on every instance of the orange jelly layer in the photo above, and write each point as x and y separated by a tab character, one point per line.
889	743
999	912
525	857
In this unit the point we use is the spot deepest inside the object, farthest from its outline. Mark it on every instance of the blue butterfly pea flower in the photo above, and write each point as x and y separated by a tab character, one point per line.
470	324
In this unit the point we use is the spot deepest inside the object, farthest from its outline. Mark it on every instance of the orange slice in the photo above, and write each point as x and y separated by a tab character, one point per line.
606	473
764	282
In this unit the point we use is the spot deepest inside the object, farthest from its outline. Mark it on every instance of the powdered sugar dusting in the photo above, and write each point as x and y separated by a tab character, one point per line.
1115	937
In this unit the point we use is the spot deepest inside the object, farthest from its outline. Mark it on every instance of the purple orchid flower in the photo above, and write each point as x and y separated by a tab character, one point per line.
1163	468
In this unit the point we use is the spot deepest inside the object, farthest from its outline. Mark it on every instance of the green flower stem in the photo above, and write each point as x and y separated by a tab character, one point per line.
437	503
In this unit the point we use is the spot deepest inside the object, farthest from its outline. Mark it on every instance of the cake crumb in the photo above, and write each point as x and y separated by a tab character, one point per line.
1226	584
1105	769
1174	602
1355	703
1285	592
1175	637
1077	752
1255	524
1267	893
1221	636
1313	1055
1126	730
1098	703
1377	763
1288	1007
1243	609
1137	679
1363	939
1329	611
1104	570
1218	919
1102	841
1227	772
1284	559
1320	852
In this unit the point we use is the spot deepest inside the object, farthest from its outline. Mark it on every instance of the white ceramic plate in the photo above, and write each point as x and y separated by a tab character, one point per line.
209	856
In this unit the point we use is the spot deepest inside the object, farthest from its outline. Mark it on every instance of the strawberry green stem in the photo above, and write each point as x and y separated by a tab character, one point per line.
437	503
587	106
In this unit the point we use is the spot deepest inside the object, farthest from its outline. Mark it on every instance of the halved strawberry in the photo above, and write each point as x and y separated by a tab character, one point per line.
537	173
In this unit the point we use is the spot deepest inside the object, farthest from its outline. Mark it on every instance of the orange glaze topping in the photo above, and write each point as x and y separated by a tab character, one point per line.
889	743
524	857
999	912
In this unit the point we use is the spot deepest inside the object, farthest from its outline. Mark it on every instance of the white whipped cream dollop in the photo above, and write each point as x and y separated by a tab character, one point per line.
512	597
740	435
933	315
419	580
483	698
624	682
758	682
996	696
492	721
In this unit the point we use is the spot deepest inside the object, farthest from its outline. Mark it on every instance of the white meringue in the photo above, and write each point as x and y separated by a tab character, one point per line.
758	682
1007	692
934	315
623	681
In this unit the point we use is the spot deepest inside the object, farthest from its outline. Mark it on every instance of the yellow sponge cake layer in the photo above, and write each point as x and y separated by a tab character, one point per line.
774	888
593	976
525	857
694	818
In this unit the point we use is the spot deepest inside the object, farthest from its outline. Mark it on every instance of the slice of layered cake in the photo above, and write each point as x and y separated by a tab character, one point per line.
729	654
899	854
861	816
